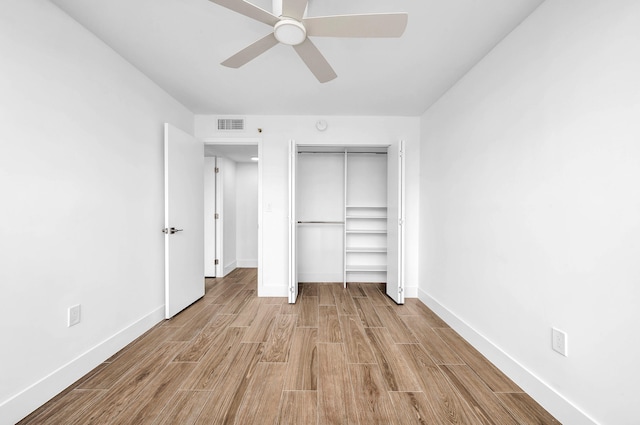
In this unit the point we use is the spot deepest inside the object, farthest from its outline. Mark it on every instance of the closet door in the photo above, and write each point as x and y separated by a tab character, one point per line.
293	224
395	223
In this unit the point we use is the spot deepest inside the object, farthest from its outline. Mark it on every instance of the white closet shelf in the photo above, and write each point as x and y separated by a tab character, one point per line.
368	207
367	232
368	268
366	249
368	217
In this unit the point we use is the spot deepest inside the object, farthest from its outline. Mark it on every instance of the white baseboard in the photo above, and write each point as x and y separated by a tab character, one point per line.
550	399
248	263
20	405
272	291
320	277
229	268
280	291
410	291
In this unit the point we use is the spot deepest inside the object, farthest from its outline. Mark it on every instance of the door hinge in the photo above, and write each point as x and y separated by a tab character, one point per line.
217	170
292	290
217	216
171	230
216	262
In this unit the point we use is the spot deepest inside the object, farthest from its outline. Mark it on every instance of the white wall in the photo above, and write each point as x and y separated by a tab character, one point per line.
209	216
247	214
530	207
276	133
81	178
228	175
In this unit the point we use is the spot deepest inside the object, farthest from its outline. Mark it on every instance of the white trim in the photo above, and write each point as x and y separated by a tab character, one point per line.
219	209
229	268
231	140
248	263
320	277
403	220
561	408
260	212
274	291
22	404
410	291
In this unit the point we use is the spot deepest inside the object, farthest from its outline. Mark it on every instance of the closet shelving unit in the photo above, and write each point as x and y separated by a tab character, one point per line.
365	218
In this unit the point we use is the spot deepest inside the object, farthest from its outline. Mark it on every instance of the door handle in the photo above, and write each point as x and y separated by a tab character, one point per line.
171	230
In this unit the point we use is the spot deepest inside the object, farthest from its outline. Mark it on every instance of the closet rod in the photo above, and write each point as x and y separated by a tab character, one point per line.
342	152
320	222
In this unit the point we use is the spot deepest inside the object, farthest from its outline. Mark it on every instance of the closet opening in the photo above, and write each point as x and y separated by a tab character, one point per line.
345	216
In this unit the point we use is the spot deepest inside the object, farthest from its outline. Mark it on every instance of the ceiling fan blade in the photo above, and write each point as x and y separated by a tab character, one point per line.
294	8
251	52
249	10
315	61
369	25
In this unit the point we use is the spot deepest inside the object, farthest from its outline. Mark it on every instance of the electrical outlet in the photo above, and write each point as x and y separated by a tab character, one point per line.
73	317
559	341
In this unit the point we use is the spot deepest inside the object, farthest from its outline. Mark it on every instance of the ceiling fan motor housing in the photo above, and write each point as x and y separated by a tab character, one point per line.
289	31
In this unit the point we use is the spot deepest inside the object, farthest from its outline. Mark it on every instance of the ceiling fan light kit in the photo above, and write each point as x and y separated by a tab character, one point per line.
290	31
293	29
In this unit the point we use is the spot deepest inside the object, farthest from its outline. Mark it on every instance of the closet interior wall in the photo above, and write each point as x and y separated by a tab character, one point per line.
320	185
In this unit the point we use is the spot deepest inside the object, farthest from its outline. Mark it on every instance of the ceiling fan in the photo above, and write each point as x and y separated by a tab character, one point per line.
293	28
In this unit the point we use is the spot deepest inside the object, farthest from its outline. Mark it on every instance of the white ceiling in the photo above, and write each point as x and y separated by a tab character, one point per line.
179	44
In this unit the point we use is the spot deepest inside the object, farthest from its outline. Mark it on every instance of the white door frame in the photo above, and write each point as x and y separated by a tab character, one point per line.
399	145
253	141
219	223
210	225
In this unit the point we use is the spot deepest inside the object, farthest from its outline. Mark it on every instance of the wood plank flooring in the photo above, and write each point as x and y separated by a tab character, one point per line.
336	357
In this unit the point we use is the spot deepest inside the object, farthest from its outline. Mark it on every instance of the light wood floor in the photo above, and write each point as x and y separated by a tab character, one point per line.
336	357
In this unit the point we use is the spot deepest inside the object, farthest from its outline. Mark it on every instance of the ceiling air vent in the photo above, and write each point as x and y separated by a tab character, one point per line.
230	124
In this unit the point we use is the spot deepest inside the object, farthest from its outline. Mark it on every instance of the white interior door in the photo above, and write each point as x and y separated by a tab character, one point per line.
293	224
220	219
210	217
395	223
184	219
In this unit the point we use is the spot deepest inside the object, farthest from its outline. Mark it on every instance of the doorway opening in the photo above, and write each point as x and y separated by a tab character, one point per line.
232	206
